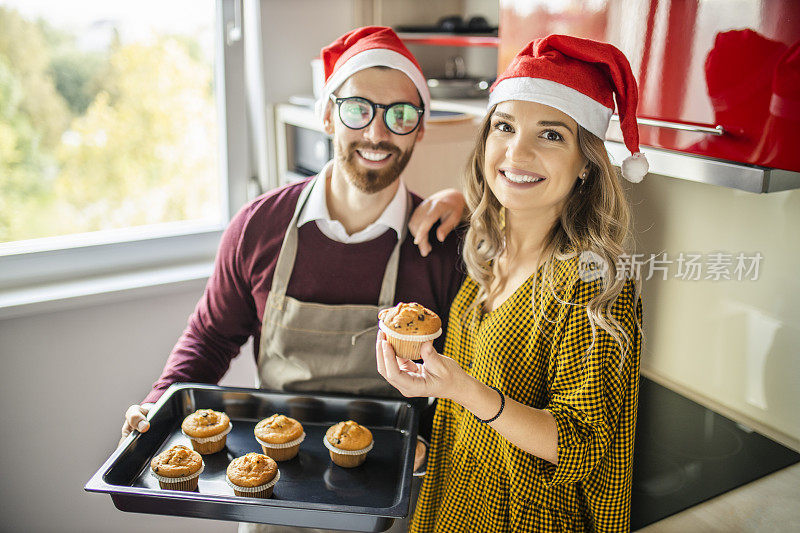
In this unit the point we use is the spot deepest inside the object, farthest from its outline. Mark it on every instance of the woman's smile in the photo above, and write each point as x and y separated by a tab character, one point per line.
520	178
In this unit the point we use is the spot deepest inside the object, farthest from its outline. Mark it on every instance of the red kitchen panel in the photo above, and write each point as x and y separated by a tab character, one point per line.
728	63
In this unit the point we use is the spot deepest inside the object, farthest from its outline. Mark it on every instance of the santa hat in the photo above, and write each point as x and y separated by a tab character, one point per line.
778	144
785	101
579	77
738	51
370	46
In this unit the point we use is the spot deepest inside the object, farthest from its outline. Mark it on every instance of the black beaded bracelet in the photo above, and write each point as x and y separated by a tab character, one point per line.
502	406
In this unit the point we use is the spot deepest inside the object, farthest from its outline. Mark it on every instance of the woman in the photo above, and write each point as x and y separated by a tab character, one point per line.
538	384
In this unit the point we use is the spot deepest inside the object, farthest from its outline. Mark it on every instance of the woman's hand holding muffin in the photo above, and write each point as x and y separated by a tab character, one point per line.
438	375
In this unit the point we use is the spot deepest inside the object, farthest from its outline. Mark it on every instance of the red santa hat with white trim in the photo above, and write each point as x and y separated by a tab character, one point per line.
580	77
362	48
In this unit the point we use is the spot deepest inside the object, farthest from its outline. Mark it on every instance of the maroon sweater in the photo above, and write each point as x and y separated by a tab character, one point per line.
329	272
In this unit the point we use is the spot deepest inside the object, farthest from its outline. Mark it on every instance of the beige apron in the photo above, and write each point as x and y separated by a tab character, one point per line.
311	347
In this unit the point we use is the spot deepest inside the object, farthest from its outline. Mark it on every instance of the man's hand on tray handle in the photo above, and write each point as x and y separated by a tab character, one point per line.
135	418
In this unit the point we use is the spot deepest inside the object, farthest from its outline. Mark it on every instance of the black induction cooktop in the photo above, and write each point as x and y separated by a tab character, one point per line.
685	454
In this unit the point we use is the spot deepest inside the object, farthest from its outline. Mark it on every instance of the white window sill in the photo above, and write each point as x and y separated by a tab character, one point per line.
48	297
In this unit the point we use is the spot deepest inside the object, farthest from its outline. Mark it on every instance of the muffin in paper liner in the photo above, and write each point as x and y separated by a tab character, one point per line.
261	491
283	451
186	483
347	458
406	346
209	445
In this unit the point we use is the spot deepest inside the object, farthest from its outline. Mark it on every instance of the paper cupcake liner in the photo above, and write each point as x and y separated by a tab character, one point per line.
176	480
280	446
410	338
334	449
184	486
407	346
284	451
213	438
259	488
347	458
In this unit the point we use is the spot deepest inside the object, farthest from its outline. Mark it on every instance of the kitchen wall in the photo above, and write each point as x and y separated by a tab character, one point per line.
287	58
730	344
441	156
68	377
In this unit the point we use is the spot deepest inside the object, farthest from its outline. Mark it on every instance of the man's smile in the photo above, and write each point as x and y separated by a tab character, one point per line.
374	156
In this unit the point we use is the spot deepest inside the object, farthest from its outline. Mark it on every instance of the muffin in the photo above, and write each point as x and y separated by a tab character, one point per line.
348	443
207	429
178	468
253	475
279	436
408	326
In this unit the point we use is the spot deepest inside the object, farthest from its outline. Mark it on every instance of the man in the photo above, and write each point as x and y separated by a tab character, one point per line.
294	261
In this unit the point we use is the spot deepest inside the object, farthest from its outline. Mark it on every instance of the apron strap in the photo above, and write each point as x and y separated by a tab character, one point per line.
288	253
286	257
386	298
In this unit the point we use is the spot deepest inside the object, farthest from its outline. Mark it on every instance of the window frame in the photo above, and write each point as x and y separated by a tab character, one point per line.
79	256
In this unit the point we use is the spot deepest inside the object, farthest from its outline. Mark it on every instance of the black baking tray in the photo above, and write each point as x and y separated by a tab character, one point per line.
312	491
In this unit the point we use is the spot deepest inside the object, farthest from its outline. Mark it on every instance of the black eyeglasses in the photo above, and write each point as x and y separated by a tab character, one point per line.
355	112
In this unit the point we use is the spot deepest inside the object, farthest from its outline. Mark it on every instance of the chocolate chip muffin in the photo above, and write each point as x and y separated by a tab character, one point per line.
279	436
207	429
348	443
408	326
253	475
177	468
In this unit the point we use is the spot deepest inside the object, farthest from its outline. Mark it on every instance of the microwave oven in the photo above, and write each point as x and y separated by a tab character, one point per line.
309	150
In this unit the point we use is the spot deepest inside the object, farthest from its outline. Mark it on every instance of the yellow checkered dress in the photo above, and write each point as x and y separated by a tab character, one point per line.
478	481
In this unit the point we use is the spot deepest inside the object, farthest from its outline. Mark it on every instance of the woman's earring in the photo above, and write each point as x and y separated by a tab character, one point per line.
582	177
502	217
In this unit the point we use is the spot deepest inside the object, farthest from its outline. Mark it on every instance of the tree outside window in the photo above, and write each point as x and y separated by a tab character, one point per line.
107	123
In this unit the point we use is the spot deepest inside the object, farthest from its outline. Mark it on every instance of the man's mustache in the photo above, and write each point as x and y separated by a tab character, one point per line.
382	146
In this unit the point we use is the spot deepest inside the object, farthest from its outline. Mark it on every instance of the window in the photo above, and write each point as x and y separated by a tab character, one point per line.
121	134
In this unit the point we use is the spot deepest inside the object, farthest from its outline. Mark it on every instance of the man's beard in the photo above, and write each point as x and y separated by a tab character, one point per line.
371	181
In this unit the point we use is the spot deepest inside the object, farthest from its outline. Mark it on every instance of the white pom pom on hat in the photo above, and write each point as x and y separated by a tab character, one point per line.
582	78
635	167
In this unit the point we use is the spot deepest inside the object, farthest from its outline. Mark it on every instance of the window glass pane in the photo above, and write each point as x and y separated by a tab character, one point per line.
108	116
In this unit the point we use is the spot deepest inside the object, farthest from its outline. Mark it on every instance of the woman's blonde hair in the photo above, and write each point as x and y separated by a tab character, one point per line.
595	218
